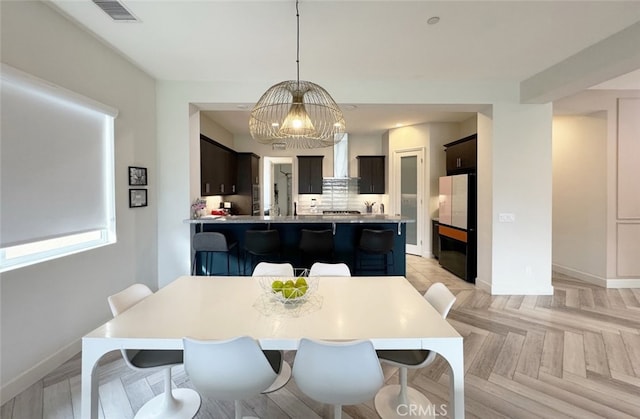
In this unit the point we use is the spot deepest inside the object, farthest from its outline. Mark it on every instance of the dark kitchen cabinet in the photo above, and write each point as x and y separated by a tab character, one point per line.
371	174
310	174
462	155
246	201
435	238
458	253
218	166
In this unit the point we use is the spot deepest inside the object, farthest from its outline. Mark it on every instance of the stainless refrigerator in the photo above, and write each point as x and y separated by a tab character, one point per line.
457	225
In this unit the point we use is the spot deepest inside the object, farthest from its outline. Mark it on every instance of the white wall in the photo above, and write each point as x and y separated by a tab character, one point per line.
468	127
46	308
214	131
580	193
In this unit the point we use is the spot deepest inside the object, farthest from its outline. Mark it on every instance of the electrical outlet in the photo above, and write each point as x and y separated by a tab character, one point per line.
506	217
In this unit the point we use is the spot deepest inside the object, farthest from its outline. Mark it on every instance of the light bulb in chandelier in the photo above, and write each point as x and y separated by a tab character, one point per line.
297	123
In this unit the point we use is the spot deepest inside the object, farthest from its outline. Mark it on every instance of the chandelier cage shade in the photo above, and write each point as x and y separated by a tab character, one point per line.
297	113
300	114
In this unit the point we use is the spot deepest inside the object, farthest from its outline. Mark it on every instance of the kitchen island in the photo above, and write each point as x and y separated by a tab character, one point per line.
346	233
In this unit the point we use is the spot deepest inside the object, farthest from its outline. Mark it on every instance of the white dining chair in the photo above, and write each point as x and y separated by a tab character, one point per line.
337	373
179	403
283	270
329	269
391	397
273	269
233	369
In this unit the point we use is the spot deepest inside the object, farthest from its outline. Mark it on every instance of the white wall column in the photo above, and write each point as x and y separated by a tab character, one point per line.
519	200
174	178
485	219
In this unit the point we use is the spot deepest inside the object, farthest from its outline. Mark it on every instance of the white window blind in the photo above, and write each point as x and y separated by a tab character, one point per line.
57	171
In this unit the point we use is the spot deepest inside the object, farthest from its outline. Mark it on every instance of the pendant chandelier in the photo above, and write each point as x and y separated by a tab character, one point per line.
297	113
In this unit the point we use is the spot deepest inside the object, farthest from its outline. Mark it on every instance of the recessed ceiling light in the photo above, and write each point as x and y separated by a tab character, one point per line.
243	106
399	124
433	20
349	107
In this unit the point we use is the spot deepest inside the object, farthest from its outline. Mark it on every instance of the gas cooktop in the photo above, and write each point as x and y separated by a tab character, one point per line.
341	212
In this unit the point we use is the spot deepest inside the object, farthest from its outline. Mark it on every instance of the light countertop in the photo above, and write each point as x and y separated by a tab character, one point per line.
300	219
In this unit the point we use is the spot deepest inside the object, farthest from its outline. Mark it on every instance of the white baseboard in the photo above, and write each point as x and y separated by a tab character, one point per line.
519	291
38	371
583	276
597	280
623	283
488	287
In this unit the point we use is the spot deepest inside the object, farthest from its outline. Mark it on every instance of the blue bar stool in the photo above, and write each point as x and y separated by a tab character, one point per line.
375	243
315	246
261	245
205	246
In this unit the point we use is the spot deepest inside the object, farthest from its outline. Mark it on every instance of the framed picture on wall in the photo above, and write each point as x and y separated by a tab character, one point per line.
137	176
137	198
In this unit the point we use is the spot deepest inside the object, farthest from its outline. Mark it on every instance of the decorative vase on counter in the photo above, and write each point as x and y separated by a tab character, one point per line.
369	206
198	208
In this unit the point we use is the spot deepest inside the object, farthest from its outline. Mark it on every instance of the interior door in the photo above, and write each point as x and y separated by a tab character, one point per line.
408	195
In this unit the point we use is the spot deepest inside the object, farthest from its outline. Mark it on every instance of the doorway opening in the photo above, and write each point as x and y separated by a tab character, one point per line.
278	180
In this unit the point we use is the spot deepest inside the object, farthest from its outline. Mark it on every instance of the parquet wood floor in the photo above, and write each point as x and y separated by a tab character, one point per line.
575	354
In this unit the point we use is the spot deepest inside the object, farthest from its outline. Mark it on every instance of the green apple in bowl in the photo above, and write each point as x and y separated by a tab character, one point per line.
301	285
277	286
289	291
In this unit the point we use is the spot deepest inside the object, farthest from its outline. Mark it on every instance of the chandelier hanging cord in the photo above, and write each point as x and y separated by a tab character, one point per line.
297	44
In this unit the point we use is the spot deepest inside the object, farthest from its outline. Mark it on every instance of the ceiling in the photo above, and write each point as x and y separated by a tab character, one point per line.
353	41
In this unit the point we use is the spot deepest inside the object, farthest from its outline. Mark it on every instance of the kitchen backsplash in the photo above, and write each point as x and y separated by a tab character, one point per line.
339	194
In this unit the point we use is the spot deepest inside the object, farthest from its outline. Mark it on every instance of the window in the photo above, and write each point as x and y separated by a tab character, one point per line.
57	172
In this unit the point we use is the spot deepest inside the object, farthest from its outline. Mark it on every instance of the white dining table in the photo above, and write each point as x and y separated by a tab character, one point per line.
387	310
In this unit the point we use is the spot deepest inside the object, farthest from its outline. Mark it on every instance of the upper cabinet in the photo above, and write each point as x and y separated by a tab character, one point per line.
371	174
310	174
217	168
462	155
248	172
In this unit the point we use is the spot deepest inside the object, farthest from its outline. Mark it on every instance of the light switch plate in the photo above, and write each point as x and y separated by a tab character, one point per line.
506	217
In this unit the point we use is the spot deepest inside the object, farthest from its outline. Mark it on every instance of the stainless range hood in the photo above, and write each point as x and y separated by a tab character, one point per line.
341	158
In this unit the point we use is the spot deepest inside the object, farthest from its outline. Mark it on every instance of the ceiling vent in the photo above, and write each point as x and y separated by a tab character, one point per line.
116	10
